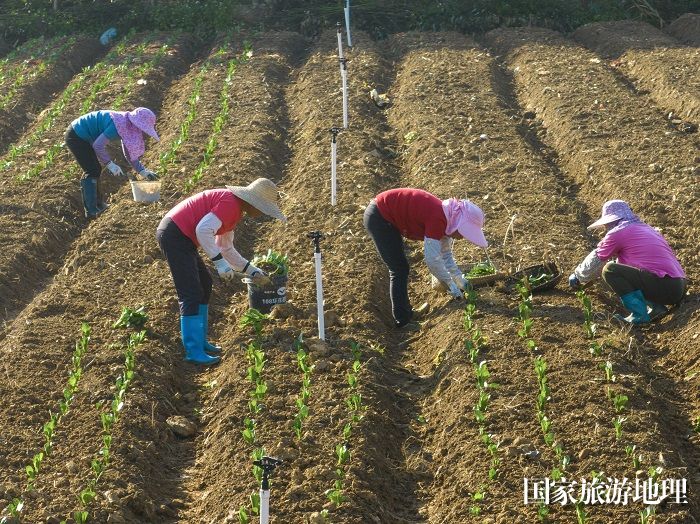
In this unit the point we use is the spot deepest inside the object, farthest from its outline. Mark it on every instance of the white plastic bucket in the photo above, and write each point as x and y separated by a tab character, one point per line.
145	191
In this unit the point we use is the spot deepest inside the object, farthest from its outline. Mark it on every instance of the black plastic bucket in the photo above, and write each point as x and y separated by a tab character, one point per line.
264	297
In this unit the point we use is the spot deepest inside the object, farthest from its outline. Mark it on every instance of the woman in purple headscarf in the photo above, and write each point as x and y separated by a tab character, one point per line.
418	215
87	138
641	267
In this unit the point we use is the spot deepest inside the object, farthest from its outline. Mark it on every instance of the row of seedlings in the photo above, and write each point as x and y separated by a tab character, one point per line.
129	318
355	411
618	400
221	118
524	332
473	344
258	389
17	505
168	157
14	80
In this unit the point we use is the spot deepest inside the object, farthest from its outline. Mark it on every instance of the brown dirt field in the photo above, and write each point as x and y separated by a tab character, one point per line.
539	139
653	61
43	215
42	88
686	28
606	149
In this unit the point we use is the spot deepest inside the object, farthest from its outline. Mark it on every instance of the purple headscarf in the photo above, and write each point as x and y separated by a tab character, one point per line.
131	125
616	211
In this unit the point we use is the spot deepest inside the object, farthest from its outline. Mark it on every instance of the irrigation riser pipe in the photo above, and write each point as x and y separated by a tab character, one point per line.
340	44
316	237
268	465
346	10
334	161
344	76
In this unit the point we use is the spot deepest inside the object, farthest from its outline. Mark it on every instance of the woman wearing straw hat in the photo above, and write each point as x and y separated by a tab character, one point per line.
418	215
208	220
642	269
87	138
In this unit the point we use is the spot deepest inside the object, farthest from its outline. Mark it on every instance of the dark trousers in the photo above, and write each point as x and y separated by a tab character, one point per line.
83	153
390	246
624	279
192	279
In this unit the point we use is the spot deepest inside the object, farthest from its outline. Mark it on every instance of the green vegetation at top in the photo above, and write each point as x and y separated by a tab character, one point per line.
23	19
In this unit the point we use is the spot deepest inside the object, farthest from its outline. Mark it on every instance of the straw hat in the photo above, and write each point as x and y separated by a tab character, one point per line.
262	194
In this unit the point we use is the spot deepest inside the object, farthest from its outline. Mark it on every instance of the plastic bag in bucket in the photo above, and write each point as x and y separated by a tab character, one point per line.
264	297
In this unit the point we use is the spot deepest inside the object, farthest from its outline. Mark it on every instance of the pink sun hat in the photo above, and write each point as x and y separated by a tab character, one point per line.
466	218
613	211
145	120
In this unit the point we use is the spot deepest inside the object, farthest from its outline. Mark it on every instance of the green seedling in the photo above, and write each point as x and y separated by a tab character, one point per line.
620	402
654	472
646	514
617	423
696	425
132	318
581	517
273	263
595	349
608	369
482	375
253	319
481	269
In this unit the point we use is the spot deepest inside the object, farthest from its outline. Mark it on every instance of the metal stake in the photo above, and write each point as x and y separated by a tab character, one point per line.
268	465
344	76
316	237
334	158
347	21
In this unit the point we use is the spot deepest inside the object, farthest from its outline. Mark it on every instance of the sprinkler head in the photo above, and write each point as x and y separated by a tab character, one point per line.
316	237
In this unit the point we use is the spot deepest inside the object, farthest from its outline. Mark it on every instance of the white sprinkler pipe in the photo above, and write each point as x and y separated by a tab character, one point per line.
319	297
264	506
334	162
316	237
347	22
344	75
340	44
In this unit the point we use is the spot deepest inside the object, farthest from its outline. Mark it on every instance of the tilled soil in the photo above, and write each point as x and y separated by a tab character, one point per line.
534	128
686	28
656	64
43	85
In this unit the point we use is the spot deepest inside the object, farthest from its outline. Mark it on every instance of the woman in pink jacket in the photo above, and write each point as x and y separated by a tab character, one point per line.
208	220
635	260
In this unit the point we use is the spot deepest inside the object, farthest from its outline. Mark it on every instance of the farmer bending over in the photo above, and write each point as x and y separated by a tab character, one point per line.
207	220
87	137
418	215
643	269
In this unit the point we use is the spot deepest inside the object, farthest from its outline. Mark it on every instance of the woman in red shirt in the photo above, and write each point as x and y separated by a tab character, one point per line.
208	220
418	215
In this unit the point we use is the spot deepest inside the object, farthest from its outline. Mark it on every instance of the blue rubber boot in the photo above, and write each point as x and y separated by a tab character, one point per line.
88	188
656	311
637	306
193	340
204	314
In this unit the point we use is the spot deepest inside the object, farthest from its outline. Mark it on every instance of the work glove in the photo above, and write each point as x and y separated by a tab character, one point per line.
115	169
574	282
148	174
225	271
462	283
259	278
455	291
